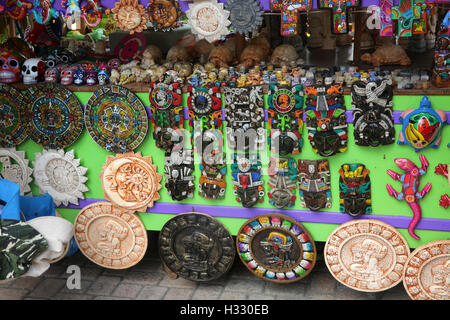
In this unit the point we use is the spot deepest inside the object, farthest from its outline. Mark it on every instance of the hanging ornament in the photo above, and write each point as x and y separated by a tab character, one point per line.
130	15
405	13
212	183
339	13
19	8
46	13
163	14
290	14
314	184
14	167
208	19
386	26
245	15
420	26
92	12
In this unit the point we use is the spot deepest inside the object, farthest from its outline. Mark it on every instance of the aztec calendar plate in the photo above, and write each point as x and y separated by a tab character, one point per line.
196	247
116	119
53	115
366	255
427	272
12	130
111	237
130	181
60	175
14	167
276	248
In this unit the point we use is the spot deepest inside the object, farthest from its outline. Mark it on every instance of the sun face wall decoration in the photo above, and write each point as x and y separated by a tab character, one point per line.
130	16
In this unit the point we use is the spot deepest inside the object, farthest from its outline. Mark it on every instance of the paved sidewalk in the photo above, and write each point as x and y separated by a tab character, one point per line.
148	281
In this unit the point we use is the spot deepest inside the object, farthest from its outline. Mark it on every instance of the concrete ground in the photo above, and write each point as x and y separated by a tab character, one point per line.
148	281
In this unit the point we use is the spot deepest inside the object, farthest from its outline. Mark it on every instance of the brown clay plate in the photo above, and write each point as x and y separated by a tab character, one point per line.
366	255
109	236
276	248
427	272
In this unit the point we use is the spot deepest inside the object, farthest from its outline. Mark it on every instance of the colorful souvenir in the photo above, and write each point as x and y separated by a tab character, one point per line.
208	19
427	270
130	16
60	175
387	26
91	77
196	247
67	75
373	123
131	47
212	184
245	15
103	77
72	11
53	115
354	190
282	179
427	8
314	184
326	120
109	236
12	128
10	70
290	14
52	75
441	67
366	255
422	127
247	179
244	114
79	76
442	169
92	12
410	188
19	8
179	167
167	114
406	12
46	13
116	119
339	16
285	119
15	167
163	14
276	248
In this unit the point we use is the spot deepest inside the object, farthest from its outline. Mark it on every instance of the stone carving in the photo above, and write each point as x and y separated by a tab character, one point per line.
245	16
130	16
15	168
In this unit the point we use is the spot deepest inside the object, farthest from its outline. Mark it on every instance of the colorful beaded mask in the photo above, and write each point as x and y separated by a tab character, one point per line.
354	190
314	184
247	179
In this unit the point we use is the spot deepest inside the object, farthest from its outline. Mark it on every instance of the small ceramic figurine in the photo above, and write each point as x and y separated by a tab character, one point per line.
151	55
126	76
103	77
33	71
52	75
442	169
10	67
387	55
422	127
79	76
251	56
178	53
410	188
91	77
115	76
67	75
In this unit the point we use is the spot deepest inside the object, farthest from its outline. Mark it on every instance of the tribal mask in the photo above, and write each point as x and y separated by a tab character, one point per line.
283	176
354	190
372	113
314	184
212	182
247	179
285	119
179	167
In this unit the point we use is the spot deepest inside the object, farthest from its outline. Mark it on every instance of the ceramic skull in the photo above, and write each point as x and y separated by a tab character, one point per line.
67	76
52	75
33	70
9	68
103	78
79	76
91	77
114	64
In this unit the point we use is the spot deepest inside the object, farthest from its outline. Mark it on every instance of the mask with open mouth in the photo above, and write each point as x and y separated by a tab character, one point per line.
354	189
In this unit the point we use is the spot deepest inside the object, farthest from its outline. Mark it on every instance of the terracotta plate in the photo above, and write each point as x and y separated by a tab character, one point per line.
276	248
427	272
116	119
12	128
196	247
366	255
53	115
111	237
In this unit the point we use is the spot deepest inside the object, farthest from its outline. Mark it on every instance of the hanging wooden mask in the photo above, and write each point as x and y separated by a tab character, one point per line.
247	179
326	120
354	190
386	25
283	177
167	114
245	15
290	14
163	14
314	184
405	13
339	13
130	16
179	167
212	182
373	124
285	119
441	69
245	118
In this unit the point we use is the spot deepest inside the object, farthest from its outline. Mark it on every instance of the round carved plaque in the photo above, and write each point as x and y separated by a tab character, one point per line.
276	248
130	181
14	167
196	246
53	115
427	272
60	175
109	236
366	255
12	128
116	119
245	15
163	14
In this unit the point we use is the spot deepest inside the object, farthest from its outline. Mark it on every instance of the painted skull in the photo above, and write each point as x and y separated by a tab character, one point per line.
9	67
114	64
103	77
79	76
67	76
33	70
91	77
52	75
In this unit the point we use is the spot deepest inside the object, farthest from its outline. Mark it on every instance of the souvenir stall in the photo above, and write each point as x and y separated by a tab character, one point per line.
238	129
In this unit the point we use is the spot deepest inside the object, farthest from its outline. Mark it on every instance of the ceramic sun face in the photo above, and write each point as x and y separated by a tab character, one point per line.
130	16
